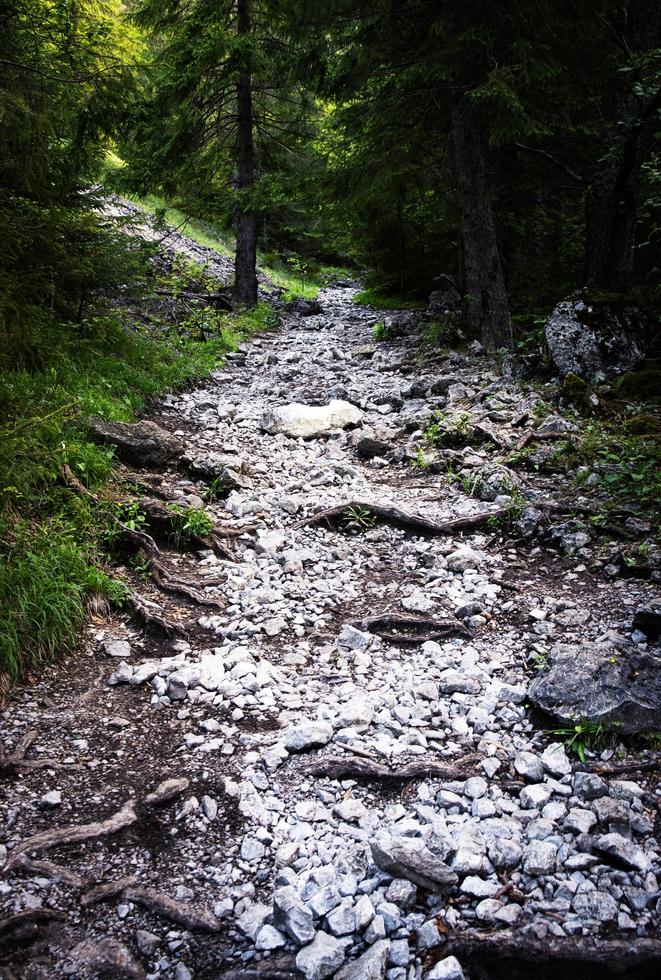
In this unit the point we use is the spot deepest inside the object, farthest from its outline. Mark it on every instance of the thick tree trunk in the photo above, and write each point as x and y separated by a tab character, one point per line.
614	197
245	278
486	306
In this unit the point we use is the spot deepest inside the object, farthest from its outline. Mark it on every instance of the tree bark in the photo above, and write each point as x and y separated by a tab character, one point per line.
486	305
245	278
614	197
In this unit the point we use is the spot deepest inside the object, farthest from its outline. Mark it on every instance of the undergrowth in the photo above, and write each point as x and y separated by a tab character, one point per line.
382	301
51	539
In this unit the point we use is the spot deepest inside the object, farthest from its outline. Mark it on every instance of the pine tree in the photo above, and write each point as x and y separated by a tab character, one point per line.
219	98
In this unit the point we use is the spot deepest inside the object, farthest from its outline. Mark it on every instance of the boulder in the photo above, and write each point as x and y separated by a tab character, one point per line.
369	447
493	481
446	298
372	965
215	472
601	683
139	443
304	307
310	421
596	338
411	858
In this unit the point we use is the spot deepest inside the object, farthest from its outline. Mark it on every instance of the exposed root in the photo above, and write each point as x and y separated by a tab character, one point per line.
178	586
337	767
417	629
73	835
341	514
617	957
168	790
107	890
180	912
47	869
24	925
9	764
149	613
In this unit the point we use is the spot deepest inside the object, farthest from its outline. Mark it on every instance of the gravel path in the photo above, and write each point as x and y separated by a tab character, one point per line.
293	836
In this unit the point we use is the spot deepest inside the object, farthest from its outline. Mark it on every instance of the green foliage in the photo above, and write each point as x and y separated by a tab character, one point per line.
383	301
189	522
358	519
586	736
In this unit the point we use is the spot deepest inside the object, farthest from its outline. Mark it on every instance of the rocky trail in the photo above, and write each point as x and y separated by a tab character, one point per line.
333	761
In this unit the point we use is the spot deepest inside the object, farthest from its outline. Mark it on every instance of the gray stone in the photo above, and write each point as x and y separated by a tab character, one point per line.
322	958
309	735
580	821
589	786
595	905
530	766
310	421
370	966
447	969
504	853
252	920
622	852
290	914
600	683
409	857
141	443
117	648
555	761
539	857
479	887
593	339
269	938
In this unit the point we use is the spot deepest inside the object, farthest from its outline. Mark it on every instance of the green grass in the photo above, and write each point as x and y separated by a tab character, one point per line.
205	233
298	279
52	539
372	297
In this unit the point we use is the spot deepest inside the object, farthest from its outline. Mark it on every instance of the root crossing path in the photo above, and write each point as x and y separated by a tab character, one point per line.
334	767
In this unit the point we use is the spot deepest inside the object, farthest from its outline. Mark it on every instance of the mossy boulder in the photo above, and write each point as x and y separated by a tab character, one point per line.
642	385
596	337
579	394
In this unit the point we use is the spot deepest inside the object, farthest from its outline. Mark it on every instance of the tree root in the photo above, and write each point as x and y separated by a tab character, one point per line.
149	613
24	925
616	956
420	630
73	835
341	514
180	912
107	890
178	586
9	764
338	767
47	869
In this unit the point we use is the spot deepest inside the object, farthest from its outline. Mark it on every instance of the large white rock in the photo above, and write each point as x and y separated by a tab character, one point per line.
309	735
309	421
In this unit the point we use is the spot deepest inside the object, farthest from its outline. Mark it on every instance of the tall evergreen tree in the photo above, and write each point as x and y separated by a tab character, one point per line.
218	99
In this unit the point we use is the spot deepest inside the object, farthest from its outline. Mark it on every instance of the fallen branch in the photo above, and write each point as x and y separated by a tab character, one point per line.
337	767
180	912
73	835
420	630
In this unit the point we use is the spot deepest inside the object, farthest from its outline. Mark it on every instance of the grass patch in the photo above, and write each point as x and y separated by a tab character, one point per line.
373	297
205	233
52	541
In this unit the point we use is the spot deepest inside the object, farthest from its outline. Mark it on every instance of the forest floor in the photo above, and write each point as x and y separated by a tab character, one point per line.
344	797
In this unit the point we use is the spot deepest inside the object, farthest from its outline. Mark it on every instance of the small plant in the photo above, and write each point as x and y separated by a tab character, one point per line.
358	519
380	331
586	736
189	522
130	515
422	461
